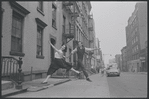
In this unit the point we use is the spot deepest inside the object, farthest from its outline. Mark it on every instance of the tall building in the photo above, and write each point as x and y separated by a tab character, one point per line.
112	60
98	55
124	62
136	36
27	29
118	60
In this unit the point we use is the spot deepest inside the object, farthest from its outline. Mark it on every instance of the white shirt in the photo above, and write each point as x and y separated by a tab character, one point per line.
59	55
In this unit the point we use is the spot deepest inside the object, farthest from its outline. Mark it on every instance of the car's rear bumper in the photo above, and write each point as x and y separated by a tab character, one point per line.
113	73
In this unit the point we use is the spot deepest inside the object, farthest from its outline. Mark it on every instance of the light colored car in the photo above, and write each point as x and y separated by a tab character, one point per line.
113	71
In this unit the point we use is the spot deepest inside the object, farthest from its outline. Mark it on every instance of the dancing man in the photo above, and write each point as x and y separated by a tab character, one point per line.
80	53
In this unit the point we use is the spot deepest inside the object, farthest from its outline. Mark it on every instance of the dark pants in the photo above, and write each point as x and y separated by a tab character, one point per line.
58	63
81	66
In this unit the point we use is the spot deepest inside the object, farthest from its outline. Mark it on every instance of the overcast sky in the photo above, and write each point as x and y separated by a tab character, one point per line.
110	19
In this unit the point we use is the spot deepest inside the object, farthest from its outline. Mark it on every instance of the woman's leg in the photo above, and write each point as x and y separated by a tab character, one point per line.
45	81
75	70
51	70
69	67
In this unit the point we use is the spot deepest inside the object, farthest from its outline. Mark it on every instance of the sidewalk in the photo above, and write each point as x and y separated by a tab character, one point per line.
36	82
76	88
145	73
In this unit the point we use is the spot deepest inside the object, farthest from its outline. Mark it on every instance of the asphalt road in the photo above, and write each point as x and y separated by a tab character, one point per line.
127	85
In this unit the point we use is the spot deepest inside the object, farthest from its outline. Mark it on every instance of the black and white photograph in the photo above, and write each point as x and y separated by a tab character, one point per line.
74	49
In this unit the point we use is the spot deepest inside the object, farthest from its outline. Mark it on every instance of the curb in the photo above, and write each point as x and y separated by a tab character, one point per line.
14	93
61	82
25	89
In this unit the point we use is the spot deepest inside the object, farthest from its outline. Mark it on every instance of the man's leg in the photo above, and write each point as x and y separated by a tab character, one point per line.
77	68
84	71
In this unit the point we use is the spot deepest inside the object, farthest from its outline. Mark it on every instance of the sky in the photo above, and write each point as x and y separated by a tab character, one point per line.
110	19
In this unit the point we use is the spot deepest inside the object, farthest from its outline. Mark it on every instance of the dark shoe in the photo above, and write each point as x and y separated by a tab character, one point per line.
88	79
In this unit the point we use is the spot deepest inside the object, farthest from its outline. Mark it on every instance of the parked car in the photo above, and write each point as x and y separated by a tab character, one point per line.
113	71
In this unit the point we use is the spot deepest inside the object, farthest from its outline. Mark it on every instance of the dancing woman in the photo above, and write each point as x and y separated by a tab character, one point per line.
59	62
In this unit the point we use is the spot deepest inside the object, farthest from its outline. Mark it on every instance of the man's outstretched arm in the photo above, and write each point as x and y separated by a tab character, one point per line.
91	49
72	52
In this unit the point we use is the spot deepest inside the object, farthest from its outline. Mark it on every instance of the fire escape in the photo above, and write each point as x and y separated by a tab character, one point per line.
90	29
91	39
69	30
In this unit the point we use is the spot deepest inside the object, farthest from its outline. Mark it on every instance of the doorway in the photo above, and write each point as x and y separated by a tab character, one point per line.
52	50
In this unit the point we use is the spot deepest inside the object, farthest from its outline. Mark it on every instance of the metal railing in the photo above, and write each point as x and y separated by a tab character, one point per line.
11	70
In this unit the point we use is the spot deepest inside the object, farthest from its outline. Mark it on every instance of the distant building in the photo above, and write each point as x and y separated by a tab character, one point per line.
136	36
124	62
99	55
118	60
112	61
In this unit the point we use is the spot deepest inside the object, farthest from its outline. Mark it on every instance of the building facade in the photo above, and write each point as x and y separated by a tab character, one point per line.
118	60
98	56
124	63
27	30
136	36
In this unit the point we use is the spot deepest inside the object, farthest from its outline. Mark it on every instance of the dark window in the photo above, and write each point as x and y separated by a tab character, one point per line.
18	15
2	10
39	40
69	53
64	19
16	36
69	27
40	28
53	16
40	6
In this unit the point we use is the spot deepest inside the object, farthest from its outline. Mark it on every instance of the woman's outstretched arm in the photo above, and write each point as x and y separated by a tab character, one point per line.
55	48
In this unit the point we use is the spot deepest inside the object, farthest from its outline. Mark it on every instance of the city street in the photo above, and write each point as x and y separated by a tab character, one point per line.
50	38
128	85
132	85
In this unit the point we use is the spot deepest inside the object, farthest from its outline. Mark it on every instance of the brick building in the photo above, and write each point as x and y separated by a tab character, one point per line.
136	36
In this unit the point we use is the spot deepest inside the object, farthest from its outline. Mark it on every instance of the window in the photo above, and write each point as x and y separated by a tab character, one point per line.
18	15
39	41
69	53
2	10
136	38
137	47
16	36
64	21
53	16
136	30
77	33
40	28
69	27
40	6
